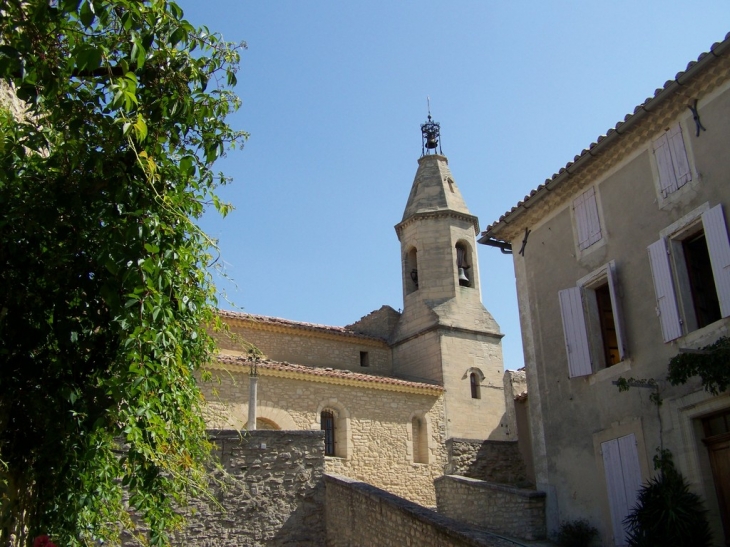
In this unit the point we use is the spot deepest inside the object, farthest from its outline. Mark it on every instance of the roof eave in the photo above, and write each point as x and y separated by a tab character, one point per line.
492	233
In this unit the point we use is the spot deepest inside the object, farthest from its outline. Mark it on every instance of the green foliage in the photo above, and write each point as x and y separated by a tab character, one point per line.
710	364
576	533
666	512
104	292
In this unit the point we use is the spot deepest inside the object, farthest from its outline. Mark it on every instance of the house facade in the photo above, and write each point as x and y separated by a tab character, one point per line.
390	389
622	261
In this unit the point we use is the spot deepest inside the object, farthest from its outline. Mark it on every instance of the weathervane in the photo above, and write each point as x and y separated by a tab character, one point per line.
430	134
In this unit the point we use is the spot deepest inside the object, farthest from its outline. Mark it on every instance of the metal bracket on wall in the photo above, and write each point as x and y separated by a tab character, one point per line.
696	116
524	242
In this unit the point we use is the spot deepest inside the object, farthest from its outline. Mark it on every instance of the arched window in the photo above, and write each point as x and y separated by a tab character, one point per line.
265	423
327	422
475	387
411	272
463	265
420	440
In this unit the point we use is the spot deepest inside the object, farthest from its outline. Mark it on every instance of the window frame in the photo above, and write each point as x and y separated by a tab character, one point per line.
668	265
671	160
588	228
583	336
327	420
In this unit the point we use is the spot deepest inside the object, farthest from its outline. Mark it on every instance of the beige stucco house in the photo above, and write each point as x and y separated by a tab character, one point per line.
622	260
390	389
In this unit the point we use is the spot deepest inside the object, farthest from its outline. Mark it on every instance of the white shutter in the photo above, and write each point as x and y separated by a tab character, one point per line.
623	480
663	155
666	299
581	221
713	222
586	219
617	312
679	156
576	335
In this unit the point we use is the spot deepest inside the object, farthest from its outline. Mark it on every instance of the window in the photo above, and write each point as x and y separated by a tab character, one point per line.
623	480
587	223
475	388
411	270
420	440
592	324
671	161
691	273
463	265
327	422
364	359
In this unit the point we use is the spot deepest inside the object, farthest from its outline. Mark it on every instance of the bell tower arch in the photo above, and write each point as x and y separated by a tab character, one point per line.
445	329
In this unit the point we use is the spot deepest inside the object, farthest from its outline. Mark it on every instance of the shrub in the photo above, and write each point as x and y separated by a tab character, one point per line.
667	513
576	533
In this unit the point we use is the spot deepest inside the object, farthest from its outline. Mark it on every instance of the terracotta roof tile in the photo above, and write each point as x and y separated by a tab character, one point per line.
293	324
327	372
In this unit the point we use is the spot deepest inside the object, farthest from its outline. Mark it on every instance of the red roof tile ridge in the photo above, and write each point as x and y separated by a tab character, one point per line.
325	371
291	323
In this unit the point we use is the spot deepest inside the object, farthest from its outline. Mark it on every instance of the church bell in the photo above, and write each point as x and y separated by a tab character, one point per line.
463	280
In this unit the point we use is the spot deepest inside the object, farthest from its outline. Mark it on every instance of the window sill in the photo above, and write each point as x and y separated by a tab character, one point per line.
706	335
611	372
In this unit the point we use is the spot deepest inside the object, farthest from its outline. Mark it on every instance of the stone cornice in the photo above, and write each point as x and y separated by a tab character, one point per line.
428	215
445	328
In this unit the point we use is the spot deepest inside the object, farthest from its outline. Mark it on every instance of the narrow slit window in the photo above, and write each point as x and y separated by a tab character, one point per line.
475	387
327	421
364	359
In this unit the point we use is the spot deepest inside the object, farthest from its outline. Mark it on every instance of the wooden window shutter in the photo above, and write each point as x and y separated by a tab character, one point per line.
586	219
576	335
666	298
623	480
713	223
617	312
680	162
663	155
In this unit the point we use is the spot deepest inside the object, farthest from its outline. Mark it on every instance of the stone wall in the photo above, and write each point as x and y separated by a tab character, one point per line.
375	439
493	461
307	347
271	494
380	323
502	509
358	514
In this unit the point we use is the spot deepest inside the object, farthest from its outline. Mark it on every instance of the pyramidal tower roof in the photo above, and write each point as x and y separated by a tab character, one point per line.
434	189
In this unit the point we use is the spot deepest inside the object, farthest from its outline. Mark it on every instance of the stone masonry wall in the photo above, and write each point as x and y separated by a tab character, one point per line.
358	514
493	461
271	494
374	426
502	509
303	348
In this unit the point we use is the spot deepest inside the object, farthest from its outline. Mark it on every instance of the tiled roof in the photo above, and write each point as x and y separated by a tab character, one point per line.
670	86
278	322
329	374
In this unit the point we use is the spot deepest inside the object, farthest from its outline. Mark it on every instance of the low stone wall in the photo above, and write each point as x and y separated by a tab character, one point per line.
492	461
503	509
271	494
359	514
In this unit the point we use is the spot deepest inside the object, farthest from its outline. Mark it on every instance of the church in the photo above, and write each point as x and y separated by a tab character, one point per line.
391	388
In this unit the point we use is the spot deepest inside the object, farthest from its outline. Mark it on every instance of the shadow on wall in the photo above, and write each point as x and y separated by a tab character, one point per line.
491	461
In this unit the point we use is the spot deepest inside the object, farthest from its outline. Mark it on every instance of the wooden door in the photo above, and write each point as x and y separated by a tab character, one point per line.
719	448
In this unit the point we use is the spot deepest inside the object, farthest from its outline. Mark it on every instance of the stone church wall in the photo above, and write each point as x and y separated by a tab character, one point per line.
378	441
294	346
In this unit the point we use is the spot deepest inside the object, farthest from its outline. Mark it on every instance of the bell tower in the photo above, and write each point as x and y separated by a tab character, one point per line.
445	334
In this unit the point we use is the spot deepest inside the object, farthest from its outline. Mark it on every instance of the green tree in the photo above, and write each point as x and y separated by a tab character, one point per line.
105	296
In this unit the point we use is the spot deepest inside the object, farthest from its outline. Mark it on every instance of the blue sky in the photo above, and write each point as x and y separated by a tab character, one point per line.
333	95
